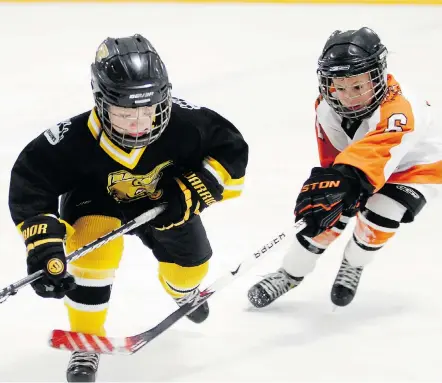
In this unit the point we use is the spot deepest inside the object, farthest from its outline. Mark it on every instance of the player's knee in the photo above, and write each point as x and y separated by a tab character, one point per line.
179	280
88	229
376	224
303	253
318	244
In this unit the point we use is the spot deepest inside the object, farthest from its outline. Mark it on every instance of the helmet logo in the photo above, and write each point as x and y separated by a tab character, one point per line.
339	67
141	95
102	52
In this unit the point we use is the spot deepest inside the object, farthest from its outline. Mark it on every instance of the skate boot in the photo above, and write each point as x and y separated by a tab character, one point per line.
272	287
346	283
82	367
201	313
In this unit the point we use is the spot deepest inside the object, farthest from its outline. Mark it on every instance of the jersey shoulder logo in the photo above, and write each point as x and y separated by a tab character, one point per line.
55	134
184	104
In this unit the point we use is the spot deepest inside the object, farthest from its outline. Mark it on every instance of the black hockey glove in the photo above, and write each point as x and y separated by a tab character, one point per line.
186	196
323	198
43	237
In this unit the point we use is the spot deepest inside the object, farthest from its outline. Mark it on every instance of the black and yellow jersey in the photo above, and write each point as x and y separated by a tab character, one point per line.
78	153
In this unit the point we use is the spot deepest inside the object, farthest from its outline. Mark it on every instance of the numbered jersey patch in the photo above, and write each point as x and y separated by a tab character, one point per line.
396	122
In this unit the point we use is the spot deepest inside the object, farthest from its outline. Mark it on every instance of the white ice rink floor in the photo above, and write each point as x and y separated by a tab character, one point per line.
256	66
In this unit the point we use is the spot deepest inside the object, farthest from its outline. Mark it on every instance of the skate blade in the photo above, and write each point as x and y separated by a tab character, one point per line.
336	308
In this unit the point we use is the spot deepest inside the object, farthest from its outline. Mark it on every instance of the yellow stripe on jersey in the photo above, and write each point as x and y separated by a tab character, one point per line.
94	124
232	186
129	160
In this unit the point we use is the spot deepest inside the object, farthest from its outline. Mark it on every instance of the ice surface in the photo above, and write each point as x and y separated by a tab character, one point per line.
255	65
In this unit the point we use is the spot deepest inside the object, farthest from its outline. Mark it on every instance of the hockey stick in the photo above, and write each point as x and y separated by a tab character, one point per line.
75	341
132	224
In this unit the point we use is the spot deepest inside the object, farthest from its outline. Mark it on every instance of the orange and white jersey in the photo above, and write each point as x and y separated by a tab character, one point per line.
399	143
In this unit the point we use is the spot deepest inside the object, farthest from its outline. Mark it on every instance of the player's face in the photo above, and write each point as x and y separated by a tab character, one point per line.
134	122
354	92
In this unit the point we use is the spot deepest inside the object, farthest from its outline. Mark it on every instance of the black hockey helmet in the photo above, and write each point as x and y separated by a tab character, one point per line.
129	73
352	53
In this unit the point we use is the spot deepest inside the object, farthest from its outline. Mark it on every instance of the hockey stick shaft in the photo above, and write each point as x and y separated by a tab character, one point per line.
132	224
75	341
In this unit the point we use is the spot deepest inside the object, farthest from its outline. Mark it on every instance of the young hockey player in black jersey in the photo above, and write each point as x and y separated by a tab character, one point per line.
137	148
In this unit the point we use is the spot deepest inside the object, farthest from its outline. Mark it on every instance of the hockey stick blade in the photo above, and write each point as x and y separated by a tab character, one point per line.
75	341
147	216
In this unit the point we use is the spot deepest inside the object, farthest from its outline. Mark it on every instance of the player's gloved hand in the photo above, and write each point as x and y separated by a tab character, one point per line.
43	237
186	196
323	198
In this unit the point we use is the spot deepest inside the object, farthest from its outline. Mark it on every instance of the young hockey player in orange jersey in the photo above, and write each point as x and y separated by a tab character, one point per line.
381	160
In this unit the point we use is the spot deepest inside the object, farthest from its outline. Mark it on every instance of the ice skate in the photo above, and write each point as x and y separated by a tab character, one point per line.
82	367
201	313
272	287
346	283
